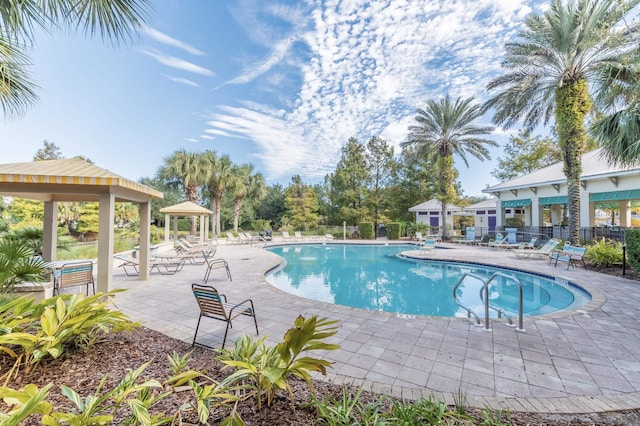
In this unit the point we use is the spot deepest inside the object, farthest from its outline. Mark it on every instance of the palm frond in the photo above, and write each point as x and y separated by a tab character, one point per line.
17	89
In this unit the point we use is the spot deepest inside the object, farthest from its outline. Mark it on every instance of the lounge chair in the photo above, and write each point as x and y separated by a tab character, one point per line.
298	236
328	237
131	265
257	239
500	241
543	251
570	254
286	236
428	245
419	236
231	239
214	305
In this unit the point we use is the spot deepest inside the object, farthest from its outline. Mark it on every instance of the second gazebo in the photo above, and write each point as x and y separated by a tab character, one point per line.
186	209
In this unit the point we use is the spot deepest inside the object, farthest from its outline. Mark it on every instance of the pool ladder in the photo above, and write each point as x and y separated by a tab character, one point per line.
484	297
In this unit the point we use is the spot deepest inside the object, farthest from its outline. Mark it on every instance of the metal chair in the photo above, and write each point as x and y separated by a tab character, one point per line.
215	264
74	274
214	305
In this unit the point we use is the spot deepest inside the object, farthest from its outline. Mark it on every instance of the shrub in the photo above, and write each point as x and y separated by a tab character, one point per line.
366	230
604	253
632	243
393	231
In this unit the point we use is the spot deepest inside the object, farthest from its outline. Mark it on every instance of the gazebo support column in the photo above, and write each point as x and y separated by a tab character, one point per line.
167	221
50	231
145	237
105	243
206	228
202	239
175	228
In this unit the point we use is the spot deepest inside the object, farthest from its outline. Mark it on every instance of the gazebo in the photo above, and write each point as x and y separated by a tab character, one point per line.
186	209
73	180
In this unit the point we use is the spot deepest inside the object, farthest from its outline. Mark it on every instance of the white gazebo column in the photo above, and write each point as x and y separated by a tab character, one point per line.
499	215
105	243
175	228
206	228
50	231
624	213
167	221
145	237
202	228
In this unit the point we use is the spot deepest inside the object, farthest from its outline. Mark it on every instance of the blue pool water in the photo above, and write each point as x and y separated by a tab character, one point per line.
373	277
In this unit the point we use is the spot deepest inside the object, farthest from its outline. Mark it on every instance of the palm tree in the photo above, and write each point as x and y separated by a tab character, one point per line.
115	20
187	170
558	56
244	184
219	174
617	130
445	127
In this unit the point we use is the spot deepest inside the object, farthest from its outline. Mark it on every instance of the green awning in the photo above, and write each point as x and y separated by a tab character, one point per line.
606	206
516	203
630	194
550	201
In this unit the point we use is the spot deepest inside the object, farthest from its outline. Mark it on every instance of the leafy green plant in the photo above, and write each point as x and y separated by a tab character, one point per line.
54	325
266	370
632	243
604	253
332	412
460	401
18	264
24	403
366	230
393	231
495	418
177	363
423	411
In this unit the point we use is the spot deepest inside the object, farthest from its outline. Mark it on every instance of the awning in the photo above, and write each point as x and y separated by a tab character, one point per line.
630	194
607	206
516	203
550	201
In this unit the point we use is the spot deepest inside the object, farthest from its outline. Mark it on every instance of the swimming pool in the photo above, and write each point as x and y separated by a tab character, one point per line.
373	277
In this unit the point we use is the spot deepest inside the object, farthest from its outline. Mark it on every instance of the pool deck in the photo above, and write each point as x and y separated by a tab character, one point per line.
573	362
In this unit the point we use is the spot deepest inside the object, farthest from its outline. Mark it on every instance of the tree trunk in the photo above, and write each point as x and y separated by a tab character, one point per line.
572	105
446	188
237	206
214	224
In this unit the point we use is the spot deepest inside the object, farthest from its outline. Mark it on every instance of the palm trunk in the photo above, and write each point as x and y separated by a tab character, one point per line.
237	206
446	188
218	222
212	207
572	105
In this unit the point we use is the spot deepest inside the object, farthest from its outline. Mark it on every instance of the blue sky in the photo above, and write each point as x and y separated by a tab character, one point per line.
280	84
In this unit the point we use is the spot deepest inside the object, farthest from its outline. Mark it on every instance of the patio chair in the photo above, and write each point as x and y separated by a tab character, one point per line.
131	265
428	245
419	236
215	264
500	241
543	251
328	237
286	236
257	239
231	239
74	274
298	236
570	254
214	305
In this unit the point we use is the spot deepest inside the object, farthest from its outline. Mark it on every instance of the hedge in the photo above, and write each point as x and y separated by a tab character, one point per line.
366	230
393	231
632	243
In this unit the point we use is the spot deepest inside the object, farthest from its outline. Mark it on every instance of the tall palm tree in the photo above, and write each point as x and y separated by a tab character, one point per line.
617	130
551	67
115	20
187	170
445	127
219	174
245	184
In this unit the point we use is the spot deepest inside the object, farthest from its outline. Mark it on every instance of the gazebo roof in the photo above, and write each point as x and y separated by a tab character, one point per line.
187	208
71	179
433	205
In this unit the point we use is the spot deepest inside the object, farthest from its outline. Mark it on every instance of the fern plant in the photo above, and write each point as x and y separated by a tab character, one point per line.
604	253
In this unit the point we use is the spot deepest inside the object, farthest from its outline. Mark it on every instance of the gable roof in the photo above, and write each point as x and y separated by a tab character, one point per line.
491	203
187	208
68	179
594	166
433	205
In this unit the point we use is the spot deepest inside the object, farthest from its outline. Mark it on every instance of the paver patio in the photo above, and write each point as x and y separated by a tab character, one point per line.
572	362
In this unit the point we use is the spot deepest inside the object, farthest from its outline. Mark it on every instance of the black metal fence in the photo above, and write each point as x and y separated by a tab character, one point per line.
544	233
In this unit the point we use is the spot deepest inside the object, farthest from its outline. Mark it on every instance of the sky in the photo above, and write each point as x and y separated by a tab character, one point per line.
279	84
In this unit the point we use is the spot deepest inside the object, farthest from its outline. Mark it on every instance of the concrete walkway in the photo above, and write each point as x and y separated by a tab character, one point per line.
574	362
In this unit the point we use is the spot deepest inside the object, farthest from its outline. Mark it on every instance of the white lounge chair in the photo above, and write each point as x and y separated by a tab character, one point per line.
543	251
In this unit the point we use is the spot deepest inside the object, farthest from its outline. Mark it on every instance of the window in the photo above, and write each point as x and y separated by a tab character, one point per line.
422	213
492	212
507	211
480	212
434	213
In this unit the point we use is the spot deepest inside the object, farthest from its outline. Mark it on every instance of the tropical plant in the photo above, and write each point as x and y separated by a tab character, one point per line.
32	237
245	183
266	370
218	177
187	170
604	253
20	21
632	243
445	128
19	264
556	59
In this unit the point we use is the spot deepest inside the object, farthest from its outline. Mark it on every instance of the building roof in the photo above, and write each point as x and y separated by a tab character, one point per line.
433	205
187	209
491	203
594	166
71	179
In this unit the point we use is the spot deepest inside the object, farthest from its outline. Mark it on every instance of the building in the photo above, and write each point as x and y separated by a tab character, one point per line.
430	213
540	198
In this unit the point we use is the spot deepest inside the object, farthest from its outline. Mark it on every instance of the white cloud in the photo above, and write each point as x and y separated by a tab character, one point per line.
366	68
190	140
181	80
206	137
170	41
172	61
